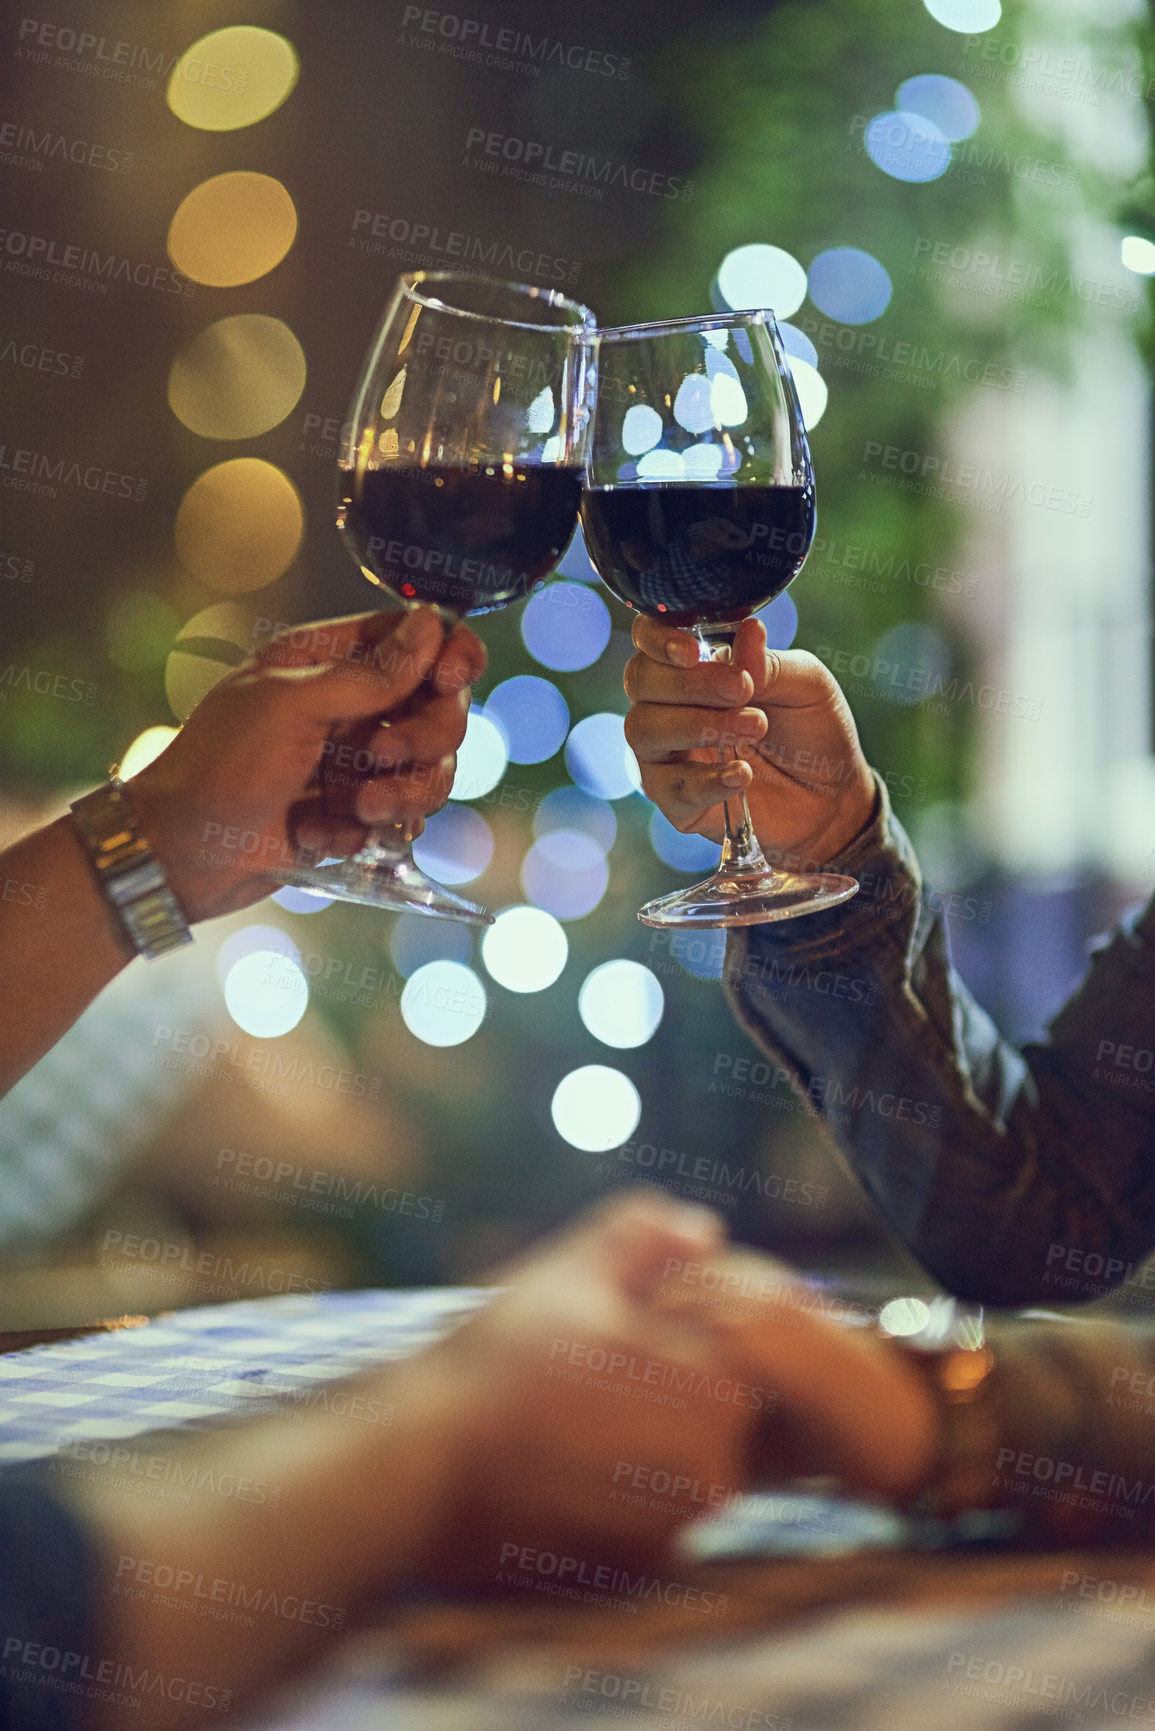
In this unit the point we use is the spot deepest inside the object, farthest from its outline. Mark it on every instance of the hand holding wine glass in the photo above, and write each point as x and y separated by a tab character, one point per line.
698	510
809	789
460	477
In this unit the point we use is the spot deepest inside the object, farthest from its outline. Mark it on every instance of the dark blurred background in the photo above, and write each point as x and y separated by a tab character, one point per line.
994	338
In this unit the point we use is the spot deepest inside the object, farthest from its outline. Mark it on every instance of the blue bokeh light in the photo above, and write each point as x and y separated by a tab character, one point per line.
532	713
780	617
910	662
416	940
565	626
457	845
702	954
575	562
944	101
798	344
907	147
573	808
598	758
686	853
849	285
565	872
297	901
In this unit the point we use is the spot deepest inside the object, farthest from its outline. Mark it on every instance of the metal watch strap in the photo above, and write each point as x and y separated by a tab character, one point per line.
131	878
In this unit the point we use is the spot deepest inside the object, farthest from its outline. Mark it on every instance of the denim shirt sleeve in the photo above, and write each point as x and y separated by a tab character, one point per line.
1014	1176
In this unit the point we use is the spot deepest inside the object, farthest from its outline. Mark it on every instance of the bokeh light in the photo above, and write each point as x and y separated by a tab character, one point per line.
533	715
232	229
250	940
907	147
812	392
456	846
621	1003
598	758
145	749
596	1108
238	378
641	429
685	853
910	662
415	939
1138	254
903	1316
266	993
295	901
565	872
762	276
849	285
967	16
780	618
525	949
232	78
700	954
796	342
139	630
566	626
443	1003
573	808
575	562
240	525
208	646
949	104
481	757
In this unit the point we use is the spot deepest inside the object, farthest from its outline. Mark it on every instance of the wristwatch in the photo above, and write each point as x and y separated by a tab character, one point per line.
131	877
957	1368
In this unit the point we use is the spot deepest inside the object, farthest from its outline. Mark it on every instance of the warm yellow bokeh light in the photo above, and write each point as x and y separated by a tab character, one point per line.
238	378
232	78
146	747
240	525
232	229
212	643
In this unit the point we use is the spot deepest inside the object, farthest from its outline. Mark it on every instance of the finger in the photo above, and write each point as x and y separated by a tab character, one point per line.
431	732
310	826
656	732
684	792
708	684
397	798
664	643
461	662
340	673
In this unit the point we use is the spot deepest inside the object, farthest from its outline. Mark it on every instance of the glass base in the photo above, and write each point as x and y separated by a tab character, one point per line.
382	878
749	899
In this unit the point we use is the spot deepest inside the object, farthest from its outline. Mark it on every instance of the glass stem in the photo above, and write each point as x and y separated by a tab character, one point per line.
741	851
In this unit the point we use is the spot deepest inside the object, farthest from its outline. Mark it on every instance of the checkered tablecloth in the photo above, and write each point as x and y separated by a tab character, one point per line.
199	1366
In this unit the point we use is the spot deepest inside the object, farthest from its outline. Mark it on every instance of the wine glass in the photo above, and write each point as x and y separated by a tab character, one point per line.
698	510
460	479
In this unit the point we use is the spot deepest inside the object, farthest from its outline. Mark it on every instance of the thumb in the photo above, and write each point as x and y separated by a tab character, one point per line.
643	1239
374	671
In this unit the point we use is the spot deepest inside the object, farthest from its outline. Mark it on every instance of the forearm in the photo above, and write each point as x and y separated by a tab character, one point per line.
983	1158
348	1508
60	944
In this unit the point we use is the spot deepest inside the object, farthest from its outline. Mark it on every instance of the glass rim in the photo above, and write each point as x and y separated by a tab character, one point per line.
696	321
411	283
